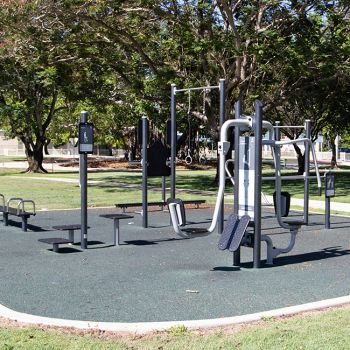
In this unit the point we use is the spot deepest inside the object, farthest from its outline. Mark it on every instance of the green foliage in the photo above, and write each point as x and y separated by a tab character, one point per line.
118	58
178	330
327	330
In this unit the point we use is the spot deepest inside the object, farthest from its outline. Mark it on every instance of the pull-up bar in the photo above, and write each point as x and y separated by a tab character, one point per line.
221	88
199	88
289	126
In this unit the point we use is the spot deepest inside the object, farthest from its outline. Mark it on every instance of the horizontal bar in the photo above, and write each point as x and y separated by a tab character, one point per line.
289	126
289	177
198	88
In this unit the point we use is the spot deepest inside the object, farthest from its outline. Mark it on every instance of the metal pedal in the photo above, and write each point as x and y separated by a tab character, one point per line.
226	235
239	233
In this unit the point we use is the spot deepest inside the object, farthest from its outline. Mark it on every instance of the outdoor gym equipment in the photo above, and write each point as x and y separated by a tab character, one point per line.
329	193
188	158
86	146
247	181
17	210
173	133
154	161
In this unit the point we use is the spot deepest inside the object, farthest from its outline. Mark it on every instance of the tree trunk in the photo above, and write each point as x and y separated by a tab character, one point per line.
35	158
334	155
301	159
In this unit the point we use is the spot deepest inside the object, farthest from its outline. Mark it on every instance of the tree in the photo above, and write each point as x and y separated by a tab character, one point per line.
314	74
40	73
29	80
121	56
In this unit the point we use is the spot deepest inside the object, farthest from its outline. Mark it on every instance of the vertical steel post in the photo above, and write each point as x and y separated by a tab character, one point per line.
277	131
221	121
173	141
329	192
277	150
327	213
258	177
144	172
163	189
307	172
238	111
83	190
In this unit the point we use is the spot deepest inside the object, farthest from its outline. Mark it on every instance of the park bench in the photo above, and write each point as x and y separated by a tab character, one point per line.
116	217
160	204
17	210
55	242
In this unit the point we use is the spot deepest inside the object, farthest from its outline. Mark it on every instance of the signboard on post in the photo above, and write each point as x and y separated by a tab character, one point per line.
86	138
330	185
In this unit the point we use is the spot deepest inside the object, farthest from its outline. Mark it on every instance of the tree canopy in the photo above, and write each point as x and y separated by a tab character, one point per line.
119	58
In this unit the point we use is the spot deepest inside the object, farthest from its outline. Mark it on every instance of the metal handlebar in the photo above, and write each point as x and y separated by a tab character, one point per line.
26	201
13	199
303	140
3	200
20	204
229	175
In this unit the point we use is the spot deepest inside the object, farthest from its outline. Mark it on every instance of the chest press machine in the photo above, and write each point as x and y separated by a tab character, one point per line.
247	180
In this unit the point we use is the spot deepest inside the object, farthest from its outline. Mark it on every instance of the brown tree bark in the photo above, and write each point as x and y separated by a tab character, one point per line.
300	159
35	157
334	163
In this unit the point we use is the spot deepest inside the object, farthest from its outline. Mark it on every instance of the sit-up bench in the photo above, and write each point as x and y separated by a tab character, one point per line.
161	204
69	228
55	242
18	210
116	218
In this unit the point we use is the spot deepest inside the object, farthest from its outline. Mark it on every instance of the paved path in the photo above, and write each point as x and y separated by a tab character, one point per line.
155	276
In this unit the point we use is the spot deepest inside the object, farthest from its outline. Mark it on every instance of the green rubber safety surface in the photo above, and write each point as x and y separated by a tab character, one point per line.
155	276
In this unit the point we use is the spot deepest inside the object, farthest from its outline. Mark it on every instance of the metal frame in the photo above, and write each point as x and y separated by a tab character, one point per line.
83	191
144	172
274	141
255	124
144	163
173	92
223	148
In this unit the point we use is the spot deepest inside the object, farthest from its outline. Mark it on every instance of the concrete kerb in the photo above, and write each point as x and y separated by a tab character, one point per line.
147	327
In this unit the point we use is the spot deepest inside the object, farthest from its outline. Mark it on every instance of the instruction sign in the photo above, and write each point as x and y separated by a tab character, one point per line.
86	138
330	185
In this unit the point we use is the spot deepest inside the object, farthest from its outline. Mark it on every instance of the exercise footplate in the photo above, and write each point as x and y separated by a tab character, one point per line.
226	235
239	233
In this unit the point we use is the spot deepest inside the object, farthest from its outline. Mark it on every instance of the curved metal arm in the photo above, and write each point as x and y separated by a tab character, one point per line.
14	199
26	201
277	145
3	200
228	171
175	221
303	140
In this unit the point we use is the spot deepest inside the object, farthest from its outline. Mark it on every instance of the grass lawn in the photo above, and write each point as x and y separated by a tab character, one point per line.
324	330
5	159
57	194
49	194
